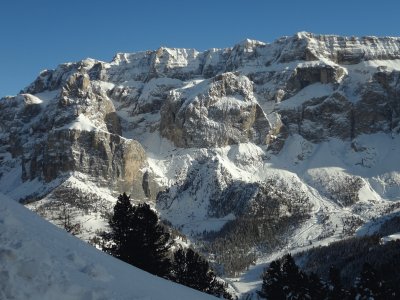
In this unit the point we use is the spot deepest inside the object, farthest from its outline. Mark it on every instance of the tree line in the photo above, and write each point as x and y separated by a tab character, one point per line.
284	280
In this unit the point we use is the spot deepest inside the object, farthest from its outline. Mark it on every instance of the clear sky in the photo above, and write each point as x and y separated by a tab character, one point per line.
40	34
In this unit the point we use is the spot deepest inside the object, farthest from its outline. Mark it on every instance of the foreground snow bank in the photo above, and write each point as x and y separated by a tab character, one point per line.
40	261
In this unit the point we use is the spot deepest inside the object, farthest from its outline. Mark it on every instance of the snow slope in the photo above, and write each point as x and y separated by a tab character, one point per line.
40	261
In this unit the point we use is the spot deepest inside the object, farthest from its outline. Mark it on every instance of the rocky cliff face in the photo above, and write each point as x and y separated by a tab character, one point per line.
226	111
212	130
69	125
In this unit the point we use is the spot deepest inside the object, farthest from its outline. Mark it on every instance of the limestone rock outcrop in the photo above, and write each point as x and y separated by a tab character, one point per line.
224	113
71	127
114	161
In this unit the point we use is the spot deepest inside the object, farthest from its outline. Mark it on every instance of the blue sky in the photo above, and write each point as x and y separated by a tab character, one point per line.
40	34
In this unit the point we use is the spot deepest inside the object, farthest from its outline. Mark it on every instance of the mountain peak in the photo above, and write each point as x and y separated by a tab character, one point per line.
247	43
303	34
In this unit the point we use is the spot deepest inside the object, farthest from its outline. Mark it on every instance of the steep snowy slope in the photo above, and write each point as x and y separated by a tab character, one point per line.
40	261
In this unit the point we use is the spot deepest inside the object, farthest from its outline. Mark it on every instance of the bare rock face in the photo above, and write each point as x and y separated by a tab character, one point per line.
224	113
144	97
114	161
73	128
379	108
321	118
342	50
335	115
304	76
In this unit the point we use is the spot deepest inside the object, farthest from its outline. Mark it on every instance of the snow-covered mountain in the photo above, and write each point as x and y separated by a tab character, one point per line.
40	261
282	145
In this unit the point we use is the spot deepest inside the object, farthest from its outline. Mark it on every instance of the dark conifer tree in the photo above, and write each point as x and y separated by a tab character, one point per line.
120	225
192	270
150	241
316	288
370	286
335	290
272	286
295	282
283	280
137	238
334	277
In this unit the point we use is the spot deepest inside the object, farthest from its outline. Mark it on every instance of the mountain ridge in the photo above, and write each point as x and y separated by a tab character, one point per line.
332	40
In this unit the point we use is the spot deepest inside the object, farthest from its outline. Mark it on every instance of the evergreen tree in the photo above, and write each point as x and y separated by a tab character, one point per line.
137	238
284	280
316	288
370	286
295	281
192	270
120	225
272	286
335	290
334	277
